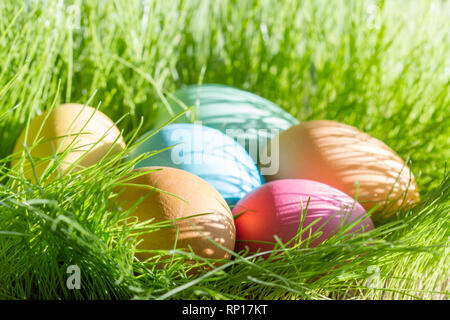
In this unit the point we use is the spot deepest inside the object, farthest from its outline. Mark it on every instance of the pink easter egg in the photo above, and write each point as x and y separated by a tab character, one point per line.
275	209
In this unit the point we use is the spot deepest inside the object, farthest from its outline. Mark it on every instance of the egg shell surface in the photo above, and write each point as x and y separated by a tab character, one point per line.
205	152
89	134
182	195
349	160
249	118
276	208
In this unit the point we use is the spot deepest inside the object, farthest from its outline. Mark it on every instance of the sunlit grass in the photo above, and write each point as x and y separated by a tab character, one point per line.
380	66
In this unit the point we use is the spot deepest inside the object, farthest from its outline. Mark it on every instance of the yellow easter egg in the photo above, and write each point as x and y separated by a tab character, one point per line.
78	136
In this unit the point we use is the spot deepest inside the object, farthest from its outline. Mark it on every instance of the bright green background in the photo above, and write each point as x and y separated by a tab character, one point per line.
381	66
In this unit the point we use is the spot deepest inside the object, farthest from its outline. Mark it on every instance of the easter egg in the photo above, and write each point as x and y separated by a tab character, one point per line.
181	195
276	208
77	136
349	160
205	152
248	118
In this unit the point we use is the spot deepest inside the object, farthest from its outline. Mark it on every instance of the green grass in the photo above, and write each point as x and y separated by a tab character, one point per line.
382	66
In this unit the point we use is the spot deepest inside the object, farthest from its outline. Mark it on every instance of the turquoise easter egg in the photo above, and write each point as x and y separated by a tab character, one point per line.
205	152
246	117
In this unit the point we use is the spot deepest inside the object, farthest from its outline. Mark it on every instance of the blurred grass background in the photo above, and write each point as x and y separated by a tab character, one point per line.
382	66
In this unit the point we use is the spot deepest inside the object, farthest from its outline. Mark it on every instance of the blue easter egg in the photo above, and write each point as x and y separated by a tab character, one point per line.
205	152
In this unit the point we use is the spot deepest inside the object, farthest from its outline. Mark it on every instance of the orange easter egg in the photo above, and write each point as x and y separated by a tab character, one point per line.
349	160
183	195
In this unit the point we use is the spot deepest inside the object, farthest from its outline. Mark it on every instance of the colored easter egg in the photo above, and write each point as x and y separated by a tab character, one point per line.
76	135
206	152
183	196
250	119
276	208
349	160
